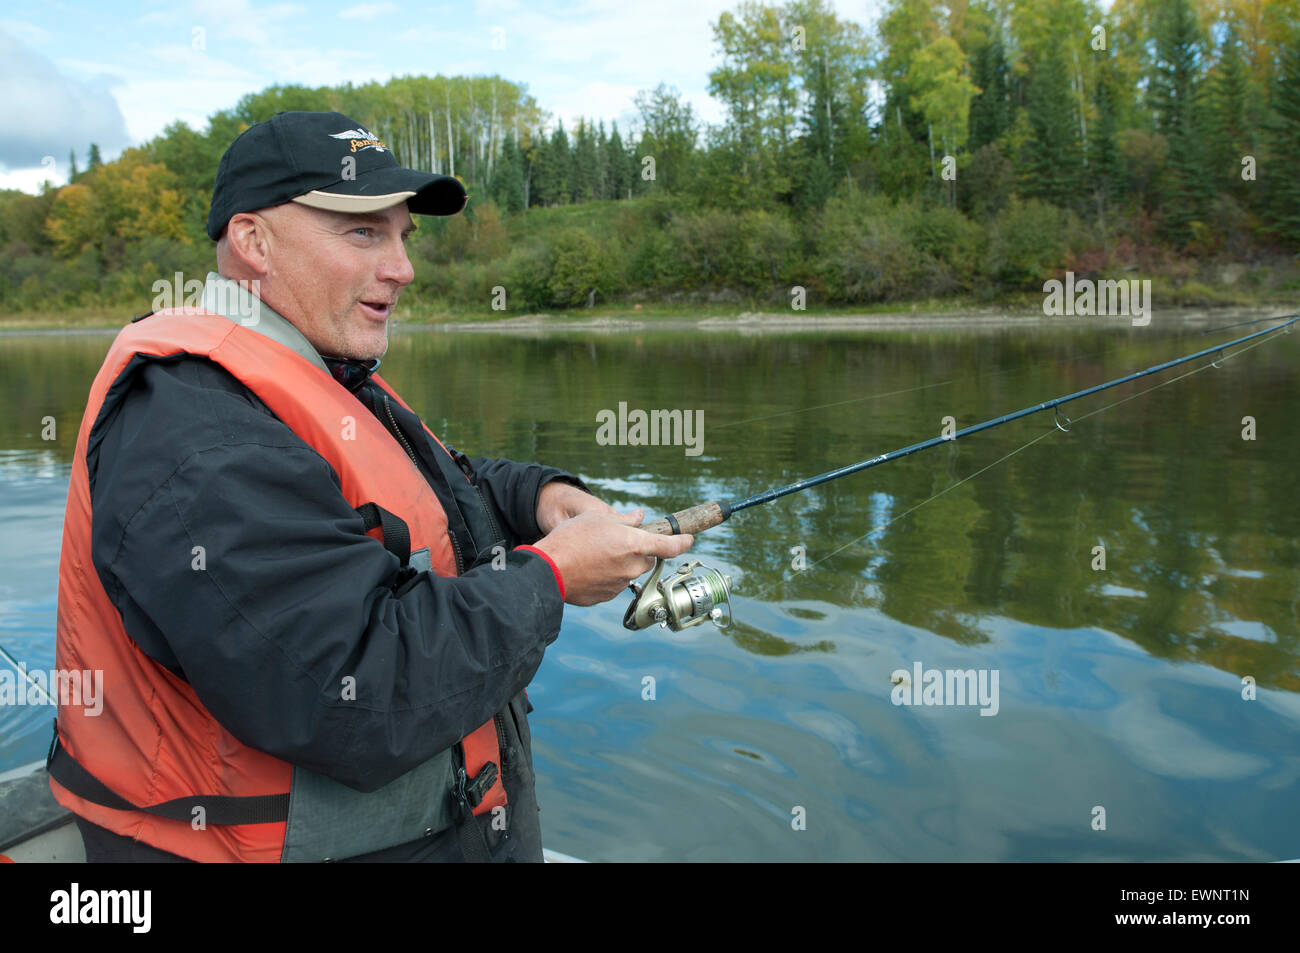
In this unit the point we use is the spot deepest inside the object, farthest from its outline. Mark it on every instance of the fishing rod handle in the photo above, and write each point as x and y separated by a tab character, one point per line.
690	521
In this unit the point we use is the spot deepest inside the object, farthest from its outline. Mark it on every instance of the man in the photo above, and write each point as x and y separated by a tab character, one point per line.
315	621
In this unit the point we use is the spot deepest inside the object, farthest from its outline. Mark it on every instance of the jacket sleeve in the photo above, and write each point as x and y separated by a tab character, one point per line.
235	560
513	489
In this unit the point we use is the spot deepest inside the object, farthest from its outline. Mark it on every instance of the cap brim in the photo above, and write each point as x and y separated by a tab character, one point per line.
336	202
424	193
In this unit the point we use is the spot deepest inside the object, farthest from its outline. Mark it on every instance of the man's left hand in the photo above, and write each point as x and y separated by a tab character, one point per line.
561	501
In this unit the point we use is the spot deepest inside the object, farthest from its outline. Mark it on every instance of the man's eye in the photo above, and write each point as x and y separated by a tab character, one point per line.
359	231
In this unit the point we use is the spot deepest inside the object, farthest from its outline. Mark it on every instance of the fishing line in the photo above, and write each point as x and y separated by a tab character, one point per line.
1242	324
838	403
696	593
884	526
978	378
908	390
1030	443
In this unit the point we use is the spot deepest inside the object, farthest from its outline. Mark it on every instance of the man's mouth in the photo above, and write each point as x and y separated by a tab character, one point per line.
379	310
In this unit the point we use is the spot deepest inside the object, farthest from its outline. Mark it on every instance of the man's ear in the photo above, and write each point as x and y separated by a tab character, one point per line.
248	239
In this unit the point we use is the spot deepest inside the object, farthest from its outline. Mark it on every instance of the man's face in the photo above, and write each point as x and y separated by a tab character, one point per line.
336	276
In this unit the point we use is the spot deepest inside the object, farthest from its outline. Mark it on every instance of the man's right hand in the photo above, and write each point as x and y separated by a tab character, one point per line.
598	555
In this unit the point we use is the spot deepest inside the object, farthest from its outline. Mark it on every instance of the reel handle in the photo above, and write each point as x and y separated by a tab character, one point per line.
690	521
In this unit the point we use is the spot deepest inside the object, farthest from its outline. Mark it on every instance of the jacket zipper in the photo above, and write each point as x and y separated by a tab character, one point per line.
462	463
401	438
487	511
455	548
397	432
501	739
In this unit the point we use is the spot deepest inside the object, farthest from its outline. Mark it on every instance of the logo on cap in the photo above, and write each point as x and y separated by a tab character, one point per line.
361	139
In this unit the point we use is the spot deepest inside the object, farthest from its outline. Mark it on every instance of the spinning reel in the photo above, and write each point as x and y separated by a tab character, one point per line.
685	598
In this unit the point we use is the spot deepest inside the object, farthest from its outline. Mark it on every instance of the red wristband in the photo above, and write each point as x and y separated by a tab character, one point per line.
559	580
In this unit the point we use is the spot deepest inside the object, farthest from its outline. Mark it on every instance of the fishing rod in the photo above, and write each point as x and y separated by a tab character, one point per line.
696	593
21	669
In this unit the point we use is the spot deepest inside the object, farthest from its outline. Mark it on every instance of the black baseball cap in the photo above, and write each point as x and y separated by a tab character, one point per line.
303	157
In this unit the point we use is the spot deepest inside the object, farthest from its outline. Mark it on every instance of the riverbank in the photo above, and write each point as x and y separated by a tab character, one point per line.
938	313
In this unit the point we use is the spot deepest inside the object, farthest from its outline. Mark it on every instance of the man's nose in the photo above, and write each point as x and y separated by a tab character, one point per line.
397	267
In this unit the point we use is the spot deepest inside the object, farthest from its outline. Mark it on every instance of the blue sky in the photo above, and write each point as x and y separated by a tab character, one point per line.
116	72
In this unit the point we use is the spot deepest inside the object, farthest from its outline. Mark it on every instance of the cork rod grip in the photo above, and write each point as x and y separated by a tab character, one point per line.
691	521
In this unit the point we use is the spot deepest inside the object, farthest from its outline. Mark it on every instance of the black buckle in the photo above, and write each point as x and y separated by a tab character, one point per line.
469	794
479	787
462	461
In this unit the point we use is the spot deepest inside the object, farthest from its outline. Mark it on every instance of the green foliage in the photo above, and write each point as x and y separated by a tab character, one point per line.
1175	88
808	181
507	187
528	277
1279	180
863	253
1026	243
985	186
669	133
581	269
1104	174
1052	162
990	110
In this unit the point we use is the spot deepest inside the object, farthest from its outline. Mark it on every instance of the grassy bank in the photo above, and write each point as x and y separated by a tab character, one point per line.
654	259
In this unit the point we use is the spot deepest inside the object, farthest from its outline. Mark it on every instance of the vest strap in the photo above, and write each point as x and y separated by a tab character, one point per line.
467	795
397	538
255	809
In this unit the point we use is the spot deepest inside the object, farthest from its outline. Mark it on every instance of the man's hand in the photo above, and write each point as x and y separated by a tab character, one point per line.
560	501
599	553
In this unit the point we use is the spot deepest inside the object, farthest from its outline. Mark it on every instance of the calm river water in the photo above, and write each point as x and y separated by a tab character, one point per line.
1118	690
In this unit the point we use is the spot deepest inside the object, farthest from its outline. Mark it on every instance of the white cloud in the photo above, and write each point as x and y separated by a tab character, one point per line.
580	57
157	16
47	112
28	33
240	20
30	180
367	11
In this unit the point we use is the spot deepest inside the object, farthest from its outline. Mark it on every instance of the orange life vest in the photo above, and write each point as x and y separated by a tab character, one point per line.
154	741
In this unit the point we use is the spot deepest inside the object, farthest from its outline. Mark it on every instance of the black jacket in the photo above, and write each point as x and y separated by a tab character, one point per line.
287	594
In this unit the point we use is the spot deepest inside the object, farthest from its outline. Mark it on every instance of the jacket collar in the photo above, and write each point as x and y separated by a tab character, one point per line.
232	300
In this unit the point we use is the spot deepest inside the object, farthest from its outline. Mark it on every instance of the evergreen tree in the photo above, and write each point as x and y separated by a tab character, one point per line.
586	173
560	158
603	188
1174	92
1052	162
824	142
538	175
1105	169
1280	184
620	165
990	110
551	169
507	187
93	161
1228	124
72	165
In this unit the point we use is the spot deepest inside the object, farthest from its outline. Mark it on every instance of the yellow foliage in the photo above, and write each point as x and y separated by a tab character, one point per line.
76	219
129	199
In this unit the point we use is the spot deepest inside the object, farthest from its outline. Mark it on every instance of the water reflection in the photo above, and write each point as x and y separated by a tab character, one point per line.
1120	686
